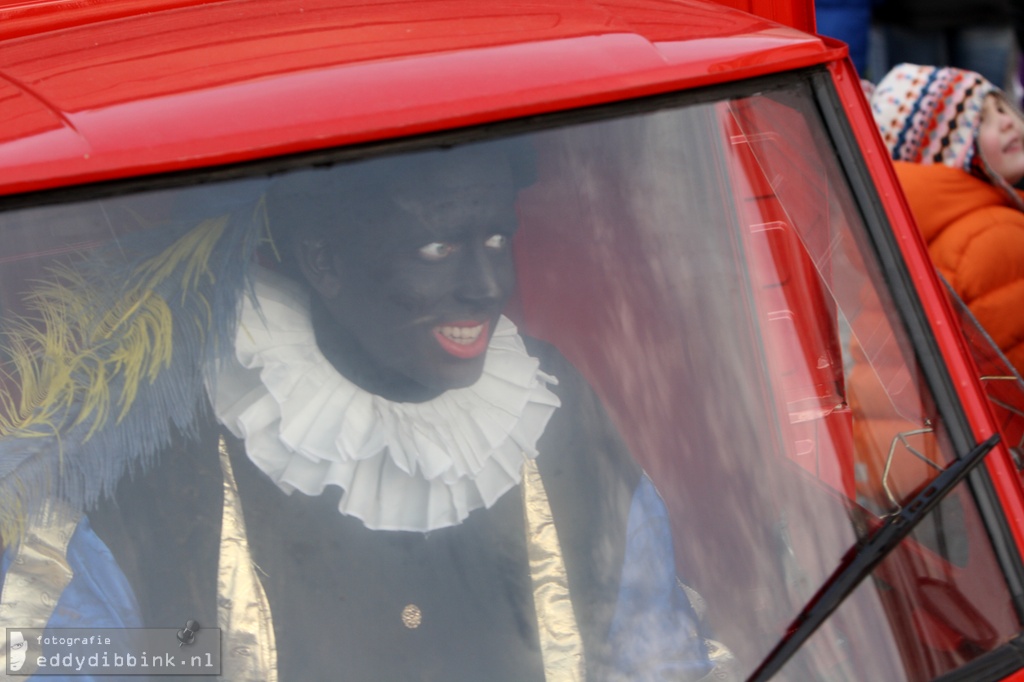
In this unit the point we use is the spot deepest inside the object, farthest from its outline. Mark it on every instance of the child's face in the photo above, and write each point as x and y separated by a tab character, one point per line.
1001	139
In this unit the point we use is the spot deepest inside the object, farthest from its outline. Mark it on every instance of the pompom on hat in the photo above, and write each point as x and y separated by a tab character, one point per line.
932	115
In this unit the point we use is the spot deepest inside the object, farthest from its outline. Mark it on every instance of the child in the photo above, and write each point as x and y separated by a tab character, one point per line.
958	145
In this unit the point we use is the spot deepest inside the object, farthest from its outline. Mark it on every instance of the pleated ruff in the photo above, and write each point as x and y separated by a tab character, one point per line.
402	466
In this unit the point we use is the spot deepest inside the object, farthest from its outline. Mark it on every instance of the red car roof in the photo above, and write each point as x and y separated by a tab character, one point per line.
100	90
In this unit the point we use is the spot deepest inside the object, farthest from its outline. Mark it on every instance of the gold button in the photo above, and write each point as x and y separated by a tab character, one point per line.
412	616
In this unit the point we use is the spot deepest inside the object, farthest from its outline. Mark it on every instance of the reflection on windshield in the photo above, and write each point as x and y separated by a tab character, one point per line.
607	400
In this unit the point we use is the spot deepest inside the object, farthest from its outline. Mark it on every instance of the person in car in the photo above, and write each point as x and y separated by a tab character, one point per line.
958	144
406	486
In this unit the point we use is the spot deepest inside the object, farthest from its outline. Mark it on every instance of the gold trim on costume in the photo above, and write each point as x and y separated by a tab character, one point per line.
243	612
724	668
38	574
560	642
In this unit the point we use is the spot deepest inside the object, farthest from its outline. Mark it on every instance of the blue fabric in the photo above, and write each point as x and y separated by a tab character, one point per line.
655	633
98	595
848	21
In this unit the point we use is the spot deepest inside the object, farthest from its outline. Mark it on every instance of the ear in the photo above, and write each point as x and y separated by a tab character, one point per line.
318	265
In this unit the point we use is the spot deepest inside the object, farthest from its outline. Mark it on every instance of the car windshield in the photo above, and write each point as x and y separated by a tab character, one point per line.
613	395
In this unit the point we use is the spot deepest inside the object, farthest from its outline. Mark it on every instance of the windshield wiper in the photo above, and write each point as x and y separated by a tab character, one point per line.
862	558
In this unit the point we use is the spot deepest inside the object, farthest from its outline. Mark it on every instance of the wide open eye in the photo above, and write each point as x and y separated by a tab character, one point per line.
436	250
497	242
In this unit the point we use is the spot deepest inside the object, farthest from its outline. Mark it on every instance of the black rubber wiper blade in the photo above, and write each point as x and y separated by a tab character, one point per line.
862	558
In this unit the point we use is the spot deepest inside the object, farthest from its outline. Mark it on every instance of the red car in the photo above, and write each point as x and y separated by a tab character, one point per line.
552	339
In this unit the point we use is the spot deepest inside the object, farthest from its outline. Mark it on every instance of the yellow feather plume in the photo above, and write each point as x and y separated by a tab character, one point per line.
81	337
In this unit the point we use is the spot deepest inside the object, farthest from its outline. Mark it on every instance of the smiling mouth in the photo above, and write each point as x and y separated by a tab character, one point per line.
463	339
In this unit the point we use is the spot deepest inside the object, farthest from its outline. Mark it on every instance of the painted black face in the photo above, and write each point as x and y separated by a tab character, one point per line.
408	298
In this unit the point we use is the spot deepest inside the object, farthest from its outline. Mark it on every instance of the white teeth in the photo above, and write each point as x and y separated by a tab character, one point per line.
461	335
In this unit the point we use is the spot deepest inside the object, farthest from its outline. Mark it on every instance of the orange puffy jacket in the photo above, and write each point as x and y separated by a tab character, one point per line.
976	239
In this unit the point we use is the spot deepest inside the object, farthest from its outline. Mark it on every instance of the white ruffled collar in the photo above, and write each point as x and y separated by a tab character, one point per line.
402	466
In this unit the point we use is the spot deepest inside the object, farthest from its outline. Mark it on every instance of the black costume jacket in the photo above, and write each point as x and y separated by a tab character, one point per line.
337	590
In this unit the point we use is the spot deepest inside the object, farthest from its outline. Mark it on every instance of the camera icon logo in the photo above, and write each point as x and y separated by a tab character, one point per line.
17	650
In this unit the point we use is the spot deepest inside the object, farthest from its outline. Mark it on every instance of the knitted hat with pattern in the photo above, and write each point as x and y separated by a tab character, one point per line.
930	115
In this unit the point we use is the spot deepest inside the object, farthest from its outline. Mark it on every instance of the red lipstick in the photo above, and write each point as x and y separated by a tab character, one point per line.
464	339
